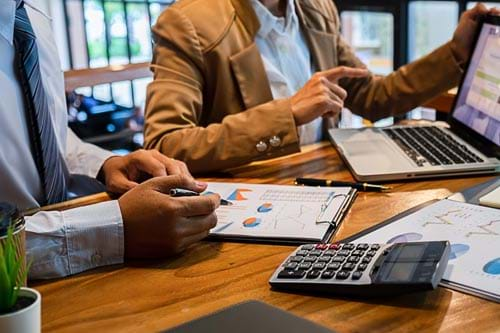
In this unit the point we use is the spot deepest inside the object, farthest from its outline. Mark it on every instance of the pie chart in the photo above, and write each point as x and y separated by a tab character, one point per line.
458	250
404	238
265	208
251	222
237	194
493	267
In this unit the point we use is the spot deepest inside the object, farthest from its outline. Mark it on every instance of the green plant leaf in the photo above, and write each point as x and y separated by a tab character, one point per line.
6	289
10	267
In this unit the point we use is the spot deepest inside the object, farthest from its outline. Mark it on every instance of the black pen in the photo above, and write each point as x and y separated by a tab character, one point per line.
180	192
324	182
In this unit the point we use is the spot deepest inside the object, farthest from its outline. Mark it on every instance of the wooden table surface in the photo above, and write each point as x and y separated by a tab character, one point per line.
155	295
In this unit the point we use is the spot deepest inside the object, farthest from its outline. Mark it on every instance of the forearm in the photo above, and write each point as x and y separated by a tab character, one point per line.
84	158
408	87
65	243
232	142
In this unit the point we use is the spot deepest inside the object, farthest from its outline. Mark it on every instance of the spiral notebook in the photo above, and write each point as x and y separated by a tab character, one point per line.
279	213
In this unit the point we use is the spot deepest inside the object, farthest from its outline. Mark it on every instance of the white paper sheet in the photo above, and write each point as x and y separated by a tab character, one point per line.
277	211
474	234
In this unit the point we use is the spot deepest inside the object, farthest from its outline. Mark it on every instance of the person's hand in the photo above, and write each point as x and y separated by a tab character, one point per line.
157	225
463	38
321	95
122	173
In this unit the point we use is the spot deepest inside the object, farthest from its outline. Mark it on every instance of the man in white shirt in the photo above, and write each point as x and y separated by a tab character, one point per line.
39	153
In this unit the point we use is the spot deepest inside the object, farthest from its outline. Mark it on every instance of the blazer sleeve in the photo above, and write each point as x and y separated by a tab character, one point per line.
175	106
376	97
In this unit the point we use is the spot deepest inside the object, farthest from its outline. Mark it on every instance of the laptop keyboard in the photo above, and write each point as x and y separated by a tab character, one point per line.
431	146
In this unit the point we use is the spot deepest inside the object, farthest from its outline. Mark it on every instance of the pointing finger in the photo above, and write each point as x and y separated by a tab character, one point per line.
341	72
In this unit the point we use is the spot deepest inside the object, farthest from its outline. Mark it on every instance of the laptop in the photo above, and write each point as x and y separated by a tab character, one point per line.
470	145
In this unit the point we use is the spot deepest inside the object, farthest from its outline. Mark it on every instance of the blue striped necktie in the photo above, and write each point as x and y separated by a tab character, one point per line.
43	139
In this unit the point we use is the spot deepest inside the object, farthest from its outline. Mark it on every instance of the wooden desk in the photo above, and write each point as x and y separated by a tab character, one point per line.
150	296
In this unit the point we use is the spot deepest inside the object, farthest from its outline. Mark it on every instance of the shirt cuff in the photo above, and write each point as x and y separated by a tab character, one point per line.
96	240
65	243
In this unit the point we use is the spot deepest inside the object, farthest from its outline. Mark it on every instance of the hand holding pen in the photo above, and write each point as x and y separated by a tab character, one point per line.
179	192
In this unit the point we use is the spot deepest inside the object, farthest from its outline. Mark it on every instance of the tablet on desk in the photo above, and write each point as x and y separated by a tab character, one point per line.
250	317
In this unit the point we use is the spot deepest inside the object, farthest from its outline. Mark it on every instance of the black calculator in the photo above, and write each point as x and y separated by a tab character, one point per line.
359	269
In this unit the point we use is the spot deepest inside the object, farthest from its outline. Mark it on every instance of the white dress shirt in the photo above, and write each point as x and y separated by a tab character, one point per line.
58	243
286	58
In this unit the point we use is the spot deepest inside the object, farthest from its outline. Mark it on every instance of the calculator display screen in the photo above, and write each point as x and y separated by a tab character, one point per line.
401	271
411	252
402	262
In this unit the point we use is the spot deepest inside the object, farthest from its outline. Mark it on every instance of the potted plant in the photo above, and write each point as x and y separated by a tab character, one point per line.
19	306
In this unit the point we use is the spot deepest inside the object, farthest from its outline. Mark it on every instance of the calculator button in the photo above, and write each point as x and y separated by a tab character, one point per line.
330	252
324	258
338	259
356	275
291	265
296	258
311	258
348	247
344	253
362	267
321	246
342	275
307	247
315	253
305	265
334	266
327	274
285	274
353	259
362	246
348	267
334	246
319	265
302	253
371	253
313	274
356	253
366	260
375	247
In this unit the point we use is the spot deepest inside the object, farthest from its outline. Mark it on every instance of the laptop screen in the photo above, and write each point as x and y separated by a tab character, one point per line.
478	104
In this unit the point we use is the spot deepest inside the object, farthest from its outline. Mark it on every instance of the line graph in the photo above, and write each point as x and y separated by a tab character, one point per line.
486	230
288	217
473	232
442	219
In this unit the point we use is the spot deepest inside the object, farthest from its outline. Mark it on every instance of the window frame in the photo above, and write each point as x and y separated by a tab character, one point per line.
400	11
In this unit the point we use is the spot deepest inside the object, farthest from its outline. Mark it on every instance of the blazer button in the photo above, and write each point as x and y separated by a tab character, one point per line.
275	141
261	146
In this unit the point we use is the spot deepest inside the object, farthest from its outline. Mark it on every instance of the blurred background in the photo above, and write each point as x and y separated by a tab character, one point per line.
114	36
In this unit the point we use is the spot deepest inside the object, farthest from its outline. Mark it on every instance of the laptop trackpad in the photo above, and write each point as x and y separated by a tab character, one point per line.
374	157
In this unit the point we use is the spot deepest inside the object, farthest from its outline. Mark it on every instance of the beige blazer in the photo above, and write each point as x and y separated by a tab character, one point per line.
210	102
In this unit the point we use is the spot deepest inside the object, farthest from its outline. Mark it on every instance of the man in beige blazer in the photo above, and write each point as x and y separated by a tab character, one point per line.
211	106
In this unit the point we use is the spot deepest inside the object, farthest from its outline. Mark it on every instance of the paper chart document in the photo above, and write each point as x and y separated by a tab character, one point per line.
278	211
473	232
